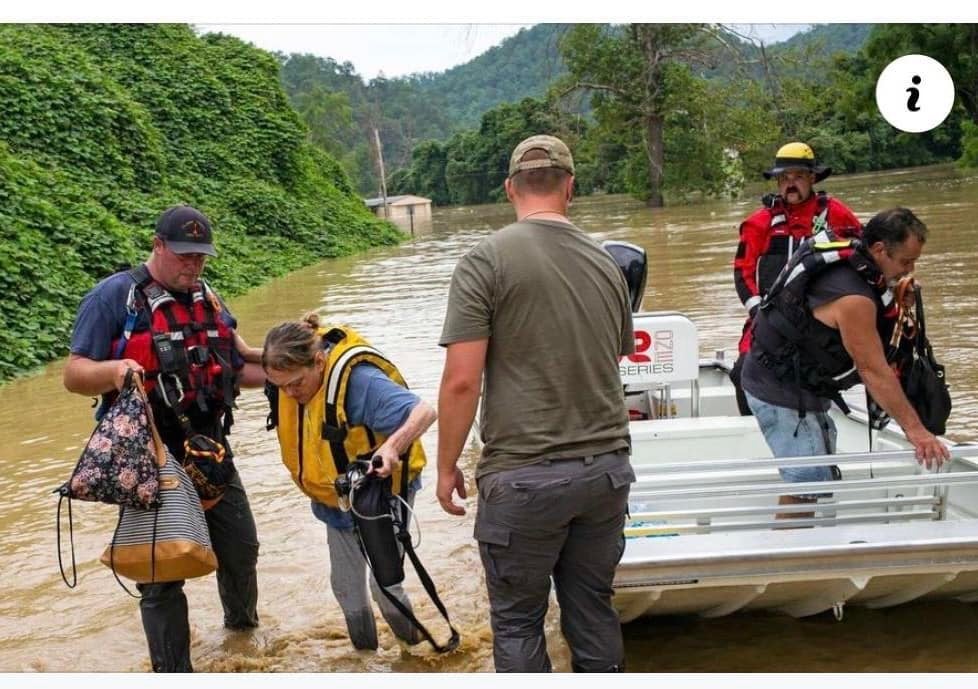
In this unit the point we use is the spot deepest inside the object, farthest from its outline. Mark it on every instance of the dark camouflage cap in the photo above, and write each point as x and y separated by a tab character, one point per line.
558	155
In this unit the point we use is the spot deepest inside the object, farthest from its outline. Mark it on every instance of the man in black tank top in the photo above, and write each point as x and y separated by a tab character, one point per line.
841	311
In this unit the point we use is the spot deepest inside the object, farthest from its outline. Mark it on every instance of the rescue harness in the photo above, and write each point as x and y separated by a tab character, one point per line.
810	354
186	354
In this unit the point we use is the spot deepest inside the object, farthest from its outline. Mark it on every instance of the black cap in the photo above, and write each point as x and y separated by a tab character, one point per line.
186	231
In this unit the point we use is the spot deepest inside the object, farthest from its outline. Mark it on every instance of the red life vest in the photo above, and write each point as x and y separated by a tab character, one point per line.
186	352
783	229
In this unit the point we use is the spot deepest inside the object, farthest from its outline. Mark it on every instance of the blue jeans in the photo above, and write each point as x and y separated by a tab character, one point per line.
790	436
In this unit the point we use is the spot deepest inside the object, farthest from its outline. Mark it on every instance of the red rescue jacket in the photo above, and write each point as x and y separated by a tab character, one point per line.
770	236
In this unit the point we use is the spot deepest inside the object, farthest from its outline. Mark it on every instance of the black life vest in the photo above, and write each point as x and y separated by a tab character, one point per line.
796	346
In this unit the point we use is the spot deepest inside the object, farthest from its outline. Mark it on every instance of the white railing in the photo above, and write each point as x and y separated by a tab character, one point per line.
672	487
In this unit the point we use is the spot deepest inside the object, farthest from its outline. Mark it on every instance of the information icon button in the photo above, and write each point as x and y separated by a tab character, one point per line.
915	93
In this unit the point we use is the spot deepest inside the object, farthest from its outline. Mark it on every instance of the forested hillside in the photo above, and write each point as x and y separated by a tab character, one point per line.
522	66
105	126
342	110
828	38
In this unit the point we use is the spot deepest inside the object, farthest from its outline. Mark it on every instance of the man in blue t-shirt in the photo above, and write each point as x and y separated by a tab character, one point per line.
114	332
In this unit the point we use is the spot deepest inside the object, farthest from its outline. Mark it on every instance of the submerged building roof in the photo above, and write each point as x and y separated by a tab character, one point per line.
402	200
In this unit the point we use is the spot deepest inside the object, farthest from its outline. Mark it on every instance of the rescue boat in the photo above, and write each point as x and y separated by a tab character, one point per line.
702	535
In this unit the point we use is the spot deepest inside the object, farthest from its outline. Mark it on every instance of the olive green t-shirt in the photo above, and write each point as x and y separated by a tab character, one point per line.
555	308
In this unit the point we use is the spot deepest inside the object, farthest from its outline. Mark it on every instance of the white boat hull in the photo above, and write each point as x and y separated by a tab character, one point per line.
704	538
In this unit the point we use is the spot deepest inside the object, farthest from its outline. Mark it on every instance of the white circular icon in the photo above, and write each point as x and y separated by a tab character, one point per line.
915	93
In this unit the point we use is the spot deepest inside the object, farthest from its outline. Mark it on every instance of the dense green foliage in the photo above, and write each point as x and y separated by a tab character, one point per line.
471	166
105	126
842	120
969	144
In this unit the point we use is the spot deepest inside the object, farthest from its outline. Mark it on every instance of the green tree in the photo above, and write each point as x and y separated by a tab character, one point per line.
626	68
329	118
953	45
849	121
426	174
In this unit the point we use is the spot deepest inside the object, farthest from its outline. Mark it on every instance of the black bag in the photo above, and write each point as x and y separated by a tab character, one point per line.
923	380
374	522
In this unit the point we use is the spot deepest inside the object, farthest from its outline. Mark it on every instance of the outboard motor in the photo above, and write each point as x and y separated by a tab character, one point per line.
634	265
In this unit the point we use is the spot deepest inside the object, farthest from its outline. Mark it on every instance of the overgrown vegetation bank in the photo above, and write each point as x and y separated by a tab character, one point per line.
104	126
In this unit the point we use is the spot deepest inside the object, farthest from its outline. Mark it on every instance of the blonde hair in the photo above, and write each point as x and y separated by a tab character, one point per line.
292	344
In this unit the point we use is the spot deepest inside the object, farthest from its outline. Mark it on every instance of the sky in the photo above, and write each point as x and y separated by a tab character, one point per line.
394	49
398	38
400	49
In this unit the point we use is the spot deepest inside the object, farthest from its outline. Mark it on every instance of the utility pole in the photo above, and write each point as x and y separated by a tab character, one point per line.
383	176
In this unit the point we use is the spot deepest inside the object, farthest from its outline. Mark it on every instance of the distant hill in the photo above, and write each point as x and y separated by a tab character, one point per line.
830	38
804	55
434	106
523	65
527	63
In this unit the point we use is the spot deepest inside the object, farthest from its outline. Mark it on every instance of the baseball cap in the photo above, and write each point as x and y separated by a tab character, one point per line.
558	155
186	231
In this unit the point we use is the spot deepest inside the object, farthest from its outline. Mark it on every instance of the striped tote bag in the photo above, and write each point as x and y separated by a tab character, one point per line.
165	543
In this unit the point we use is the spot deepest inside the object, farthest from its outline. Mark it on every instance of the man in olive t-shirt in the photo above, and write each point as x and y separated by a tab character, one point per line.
542	311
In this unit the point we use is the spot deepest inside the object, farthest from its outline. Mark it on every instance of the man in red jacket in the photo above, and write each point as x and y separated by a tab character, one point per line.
771	234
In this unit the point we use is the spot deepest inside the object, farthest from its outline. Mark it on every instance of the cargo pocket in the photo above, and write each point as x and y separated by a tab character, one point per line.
523	492
491	538
621	476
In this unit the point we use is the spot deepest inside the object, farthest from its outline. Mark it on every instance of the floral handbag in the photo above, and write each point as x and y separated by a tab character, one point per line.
121	462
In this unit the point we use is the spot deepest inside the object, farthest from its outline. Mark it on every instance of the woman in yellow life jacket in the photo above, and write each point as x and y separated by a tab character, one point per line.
343	400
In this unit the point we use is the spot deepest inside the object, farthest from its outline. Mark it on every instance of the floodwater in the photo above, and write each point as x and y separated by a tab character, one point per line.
396	298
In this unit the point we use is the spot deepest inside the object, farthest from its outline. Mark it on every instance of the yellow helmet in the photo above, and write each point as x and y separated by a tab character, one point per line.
797	155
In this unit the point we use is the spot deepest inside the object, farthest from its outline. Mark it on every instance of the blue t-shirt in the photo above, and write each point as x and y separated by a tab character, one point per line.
375	401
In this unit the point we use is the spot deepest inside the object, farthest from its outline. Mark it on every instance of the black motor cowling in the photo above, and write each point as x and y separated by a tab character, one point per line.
633	262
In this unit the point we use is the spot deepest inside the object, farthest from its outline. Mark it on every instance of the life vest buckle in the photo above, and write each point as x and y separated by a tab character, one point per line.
198	355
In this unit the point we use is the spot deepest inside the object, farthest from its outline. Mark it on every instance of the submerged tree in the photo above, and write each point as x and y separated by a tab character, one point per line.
626	68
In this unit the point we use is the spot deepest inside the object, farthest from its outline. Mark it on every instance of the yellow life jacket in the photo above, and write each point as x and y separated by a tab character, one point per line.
316	439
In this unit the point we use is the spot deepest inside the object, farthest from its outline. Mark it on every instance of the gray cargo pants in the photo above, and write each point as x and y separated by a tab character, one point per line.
562	519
